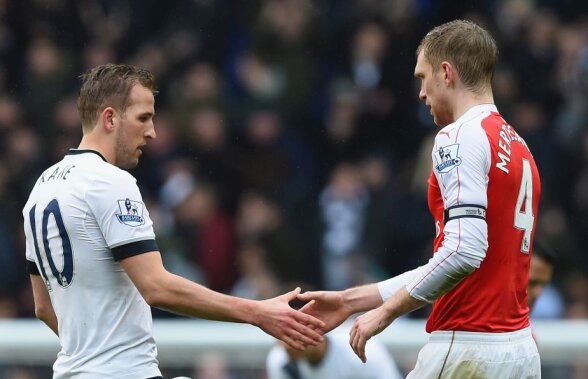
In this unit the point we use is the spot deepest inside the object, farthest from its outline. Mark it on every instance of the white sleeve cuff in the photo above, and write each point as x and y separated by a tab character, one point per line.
390	286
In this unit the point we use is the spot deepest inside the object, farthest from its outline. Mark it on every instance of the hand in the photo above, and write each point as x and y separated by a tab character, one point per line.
365	327
295	328
328	306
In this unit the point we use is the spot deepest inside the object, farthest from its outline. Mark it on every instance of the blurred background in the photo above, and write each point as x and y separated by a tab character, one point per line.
291	146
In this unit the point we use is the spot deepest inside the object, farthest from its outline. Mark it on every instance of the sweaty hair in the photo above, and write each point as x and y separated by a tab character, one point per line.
109	85
468	47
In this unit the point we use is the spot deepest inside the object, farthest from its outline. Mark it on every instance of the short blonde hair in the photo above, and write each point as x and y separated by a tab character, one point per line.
109	85
467	46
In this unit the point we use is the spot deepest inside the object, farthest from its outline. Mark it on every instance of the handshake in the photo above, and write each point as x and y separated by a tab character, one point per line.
322	312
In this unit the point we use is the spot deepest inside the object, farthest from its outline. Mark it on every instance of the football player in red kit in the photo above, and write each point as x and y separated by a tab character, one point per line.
484	193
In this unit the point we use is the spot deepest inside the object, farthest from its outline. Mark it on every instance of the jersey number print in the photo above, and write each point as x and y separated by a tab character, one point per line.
523	217
65	276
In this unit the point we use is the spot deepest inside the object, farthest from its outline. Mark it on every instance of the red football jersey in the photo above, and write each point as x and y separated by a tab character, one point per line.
481	161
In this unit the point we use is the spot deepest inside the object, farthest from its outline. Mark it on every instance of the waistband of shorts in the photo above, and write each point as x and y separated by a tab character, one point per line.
480	337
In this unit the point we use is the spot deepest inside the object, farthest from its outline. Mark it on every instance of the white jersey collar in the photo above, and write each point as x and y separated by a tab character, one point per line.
89	152
475	110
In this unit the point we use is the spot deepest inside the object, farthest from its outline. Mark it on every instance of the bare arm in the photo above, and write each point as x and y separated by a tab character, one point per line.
376	320
43	307
165	290
334	307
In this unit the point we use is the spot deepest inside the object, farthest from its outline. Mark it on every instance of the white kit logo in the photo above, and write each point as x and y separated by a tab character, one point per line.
446	158
131	212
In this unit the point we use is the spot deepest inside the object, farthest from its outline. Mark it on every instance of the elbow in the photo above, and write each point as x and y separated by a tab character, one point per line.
156	288
42	313
472	255
155	297
466	264
152	299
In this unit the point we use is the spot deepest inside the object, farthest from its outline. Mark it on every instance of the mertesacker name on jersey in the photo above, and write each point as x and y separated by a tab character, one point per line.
507	136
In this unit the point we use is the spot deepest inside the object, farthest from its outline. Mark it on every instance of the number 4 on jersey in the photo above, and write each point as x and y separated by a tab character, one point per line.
523	217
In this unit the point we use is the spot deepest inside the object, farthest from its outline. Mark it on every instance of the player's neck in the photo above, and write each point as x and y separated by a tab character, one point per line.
90	143
467	100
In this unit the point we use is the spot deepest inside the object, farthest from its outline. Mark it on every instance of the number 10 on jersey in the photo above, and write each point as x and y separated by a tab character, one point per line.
65	276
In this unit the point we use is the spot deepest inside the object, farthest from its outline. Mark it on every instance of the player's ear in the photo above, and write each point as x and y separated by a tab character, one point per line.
107	118
449	73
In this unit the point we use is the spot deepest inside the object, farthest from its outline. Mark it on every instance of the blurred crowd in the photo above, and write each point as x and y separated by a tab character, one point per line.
291	145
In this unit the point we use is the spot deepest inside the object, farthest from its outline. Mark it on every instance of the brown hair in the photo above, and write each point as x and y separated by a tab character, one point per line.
467	46
109	85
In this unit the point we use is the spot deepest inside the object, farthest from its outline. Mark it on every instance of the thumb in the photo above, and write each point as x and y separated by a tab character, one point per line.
293	294
307	308
306	296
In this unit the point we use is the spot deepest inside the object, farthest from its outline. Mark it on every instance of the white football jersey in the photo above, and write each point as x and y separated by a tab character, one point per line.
82	217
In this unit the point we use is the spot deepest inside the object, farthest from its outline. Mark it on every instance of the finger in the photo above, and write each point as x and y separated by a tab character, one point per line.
306	296
307	334
308	307
309	320
357	342
293	294
294	344
303	334
352	338
352	335
360	347
306	337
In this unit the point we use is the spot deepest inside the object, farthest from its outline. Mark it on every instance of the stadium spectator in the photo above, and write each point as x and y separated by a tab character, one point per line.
87	213
540	276
304	52
477	279
331	359
343	210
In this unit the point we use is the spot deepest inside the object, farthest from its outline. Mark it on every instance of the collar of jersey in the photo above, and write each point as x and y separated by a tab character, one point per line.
476	109
85	151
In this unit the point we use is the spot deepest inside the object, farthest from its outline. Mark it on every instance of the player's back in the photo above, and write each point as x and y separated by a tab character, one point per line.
493	297
104	323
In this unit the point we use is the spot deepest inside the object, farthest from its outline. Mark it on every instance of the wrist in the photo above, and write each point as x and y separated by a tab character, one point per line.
361	299
250	312
390	310
353	301
400	304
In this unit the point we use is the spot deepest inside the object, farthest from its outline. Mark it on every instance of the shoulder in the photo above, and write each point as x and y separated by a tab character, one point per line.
107	175
467	130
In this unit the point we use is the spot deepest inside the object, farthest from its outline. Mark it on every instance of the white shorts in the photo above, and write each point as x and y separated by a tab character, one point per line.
461	355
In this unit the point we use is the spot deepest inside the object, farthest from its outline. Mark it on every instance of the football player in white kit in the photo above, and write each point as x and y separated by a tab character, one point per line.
332	359
94	263
484	193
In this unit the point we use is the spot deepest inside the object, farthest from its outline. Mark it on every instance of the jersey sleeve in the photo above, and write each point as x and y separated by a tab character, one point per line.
122	216
461	166
31	267
389	287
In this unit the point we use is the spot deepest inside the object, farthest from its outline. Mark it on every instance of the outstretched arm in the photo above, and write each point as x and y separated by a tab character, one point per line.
162	289
334	307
